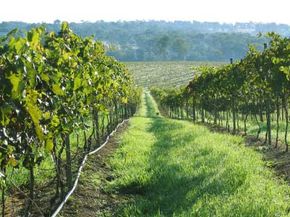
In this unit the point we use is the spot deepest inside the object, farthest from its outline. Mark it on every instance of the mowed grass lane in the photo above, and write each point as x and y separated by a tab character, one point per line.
176	168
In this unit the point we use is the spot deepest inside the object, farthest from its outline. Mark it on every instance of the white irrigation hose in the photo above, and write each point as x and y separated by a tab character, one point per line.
81	167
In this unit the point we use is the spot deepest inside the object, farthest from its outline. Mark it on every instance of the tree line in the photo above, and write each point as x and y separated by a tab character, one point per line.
56	87
165	41
253	90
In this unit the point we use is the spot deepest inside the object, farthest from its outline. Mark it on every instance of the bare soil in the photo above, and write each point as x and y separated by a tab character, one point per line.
90	197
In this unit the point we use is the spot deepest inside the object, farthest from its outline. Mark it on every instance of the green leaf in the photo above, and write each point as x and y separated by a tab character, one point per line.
57	90
49	144
18	45
5	112
64	26
124	100
15	80
31	74
77	83
34	112
12	162
46	115
44	77
33	37
55	121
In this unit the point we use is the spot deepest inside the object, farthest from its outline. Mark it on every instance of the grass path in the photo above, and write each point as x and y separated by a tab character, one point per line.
175	168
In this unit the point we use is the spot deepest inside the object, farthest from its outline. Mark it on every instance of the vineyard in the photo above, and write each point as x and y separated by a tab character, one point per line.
251	92
60	97
164	74
79	137
166	167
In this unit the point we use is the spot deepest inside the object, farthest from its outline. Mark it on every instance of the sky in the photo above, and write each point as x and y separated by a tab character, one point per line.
224	11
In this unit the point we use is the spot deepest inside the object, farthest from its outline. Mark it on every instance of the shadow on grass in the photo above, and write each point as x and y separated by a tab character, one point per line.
152	111
276	158
172	189
169	185
179	176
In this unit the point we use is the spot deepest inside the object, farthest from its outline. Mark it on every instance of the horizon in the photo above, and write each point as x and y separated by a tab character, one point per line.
144	20
222	11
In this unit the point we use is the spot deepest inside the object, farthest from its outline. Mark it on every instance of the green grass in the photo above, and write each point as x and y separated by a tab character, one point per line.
252	126
178	73
175	168
253	130
164	74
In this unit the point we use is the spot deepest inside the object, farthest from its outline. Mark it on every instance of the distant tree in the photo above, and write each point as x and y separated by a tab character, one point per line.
161	40
162	45
57	22
180	47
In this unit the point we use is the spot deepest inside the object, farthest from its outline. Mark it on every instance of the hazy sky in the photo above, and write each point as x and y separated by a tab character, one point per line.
229	11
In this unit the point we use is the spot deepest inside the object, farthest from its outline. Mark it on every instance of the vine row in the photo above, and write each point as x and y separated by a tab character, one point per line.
254	90
60	95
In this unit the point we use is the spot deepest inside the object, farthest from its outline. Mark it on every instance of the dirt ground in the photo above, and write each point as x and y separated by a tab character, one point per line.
90	197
